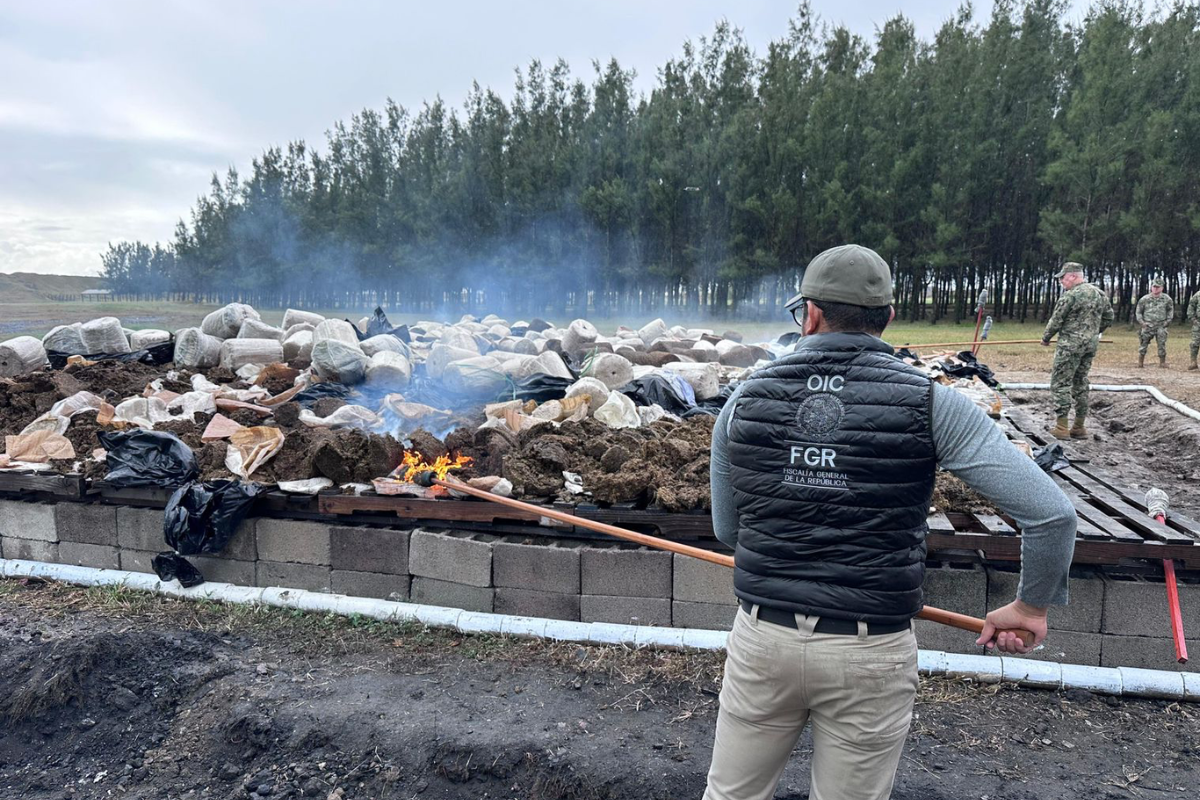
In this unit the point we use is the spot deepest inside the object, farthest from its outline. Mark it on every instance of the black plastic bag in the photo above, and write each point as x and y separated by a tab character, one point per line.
972	367
789	338
172	567
319	391
713	405
380	326
155	355
1051	458
147	458
540	387
656	390
202	517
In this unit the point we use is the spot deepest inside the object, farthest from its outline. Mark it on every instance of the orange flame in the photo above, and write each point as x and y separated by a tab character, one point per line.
413	464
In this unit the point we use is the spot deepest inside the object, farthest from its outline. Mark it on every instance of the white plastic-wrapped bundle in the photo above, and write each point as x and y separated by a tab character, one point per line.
612	370
294	317
65	339
476	377
458	336
257	329
389	369
195	349
104	335
140	340
334	360
298	345
337	330
225	322
704	378
579	336
384	342
20	356
237	353
619	411
596	391
299	326
442	355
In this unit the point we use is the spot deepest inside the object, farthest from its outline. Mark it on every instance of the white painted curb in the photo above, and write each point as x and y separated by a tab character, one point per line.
1124	681
1120	387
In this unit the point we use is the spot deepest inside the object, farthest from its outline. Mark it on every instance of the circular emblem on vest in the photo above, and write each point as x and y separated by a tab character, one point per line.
820	414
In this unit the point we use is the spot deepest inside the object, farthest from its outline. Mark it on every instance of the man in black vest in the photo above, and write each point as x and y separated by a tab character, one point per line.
822	471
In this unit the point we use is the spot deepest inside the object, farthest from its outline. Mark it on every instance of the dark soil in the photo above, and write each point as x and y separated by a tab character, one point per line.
1137	440
664	463
124	695
951	494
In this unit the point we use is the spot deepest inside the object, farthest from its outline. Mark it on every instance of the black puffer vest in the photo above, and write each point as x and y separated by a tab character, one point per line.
833	465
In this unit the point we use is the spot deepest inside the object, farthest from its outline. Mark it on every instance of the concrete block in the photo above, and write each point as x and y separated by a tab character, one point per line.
140	529
1083	612
137	560
960	587
1138	607
544	568
29	549
313	577
454	595
625	610
454	558
1068	647
934	636
626	572
532	603
697	581
378	550
225	570
1146	653
80	554
86	523
370	584
292	542
30	521
709	616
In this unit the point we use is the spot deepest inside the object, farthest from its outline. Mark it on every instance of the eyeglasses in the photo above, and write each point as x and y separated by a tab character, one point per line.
799	311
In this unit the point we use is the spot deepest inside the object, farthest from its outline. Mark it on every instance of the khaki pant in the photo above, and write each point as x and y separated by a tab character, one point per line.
857	691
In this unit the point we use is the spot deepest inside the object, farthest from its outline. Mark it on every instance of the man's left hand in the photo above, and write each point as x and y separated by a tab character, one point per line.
999	627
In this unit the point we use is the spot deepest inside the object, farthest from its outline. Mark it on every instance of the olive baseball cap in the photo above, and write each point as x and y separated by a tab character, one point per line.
1070	266
850	274
1157	282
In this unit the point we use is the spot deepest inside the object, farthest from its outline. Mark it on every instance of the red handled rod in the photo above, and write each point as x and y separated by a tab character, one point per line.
951	618
1157	503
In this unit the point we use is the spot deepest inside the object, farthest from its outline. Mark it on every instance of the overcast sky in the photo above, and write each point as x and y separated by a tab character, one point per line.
113	115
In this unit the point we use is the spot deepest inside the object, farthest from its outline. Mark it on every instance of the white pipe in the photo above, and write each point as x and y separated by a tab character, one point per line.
1121	387
1124	681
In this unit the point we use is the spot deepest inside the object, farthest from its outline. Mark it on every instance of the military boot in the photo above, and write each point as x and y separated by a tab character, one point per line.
1060	429
1141	359
1162	362
1077	430
1193	364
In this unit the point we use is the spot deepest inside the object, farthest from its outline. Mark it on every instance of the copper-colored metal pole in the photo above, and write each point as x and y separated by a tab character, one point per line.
954	620
919	345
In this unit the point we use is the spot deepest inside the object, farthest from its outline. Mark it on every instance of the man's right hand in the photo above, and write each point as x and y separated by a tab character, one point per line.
1045	343
999	625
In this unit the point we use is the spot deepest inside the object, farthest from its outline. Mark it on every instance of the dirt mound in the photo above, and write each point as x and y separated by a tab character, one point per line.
1136	439
664	463
951	494
117	380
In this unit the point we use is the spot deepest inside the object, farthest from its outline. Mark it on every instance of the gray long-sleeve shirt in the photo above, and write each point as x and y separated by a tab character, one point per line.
972	447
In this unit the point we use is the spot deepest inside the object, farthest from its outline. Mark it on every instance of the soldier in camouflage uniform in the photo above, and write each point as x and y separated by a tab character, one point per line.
1082	313
1193	314
1155	311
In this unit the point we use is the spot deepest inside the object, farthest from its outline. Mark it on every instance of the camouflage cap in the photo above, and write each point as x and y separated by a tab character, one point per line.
1157	282
1069	267
850	274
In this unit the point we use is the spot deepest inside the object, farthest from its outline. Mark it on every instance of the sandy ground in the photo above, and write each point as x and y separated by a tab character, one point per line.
116	694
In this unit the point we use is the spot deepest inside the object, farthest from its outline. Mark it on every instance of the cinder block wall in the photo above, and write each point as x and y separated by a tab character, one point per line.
1110	622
